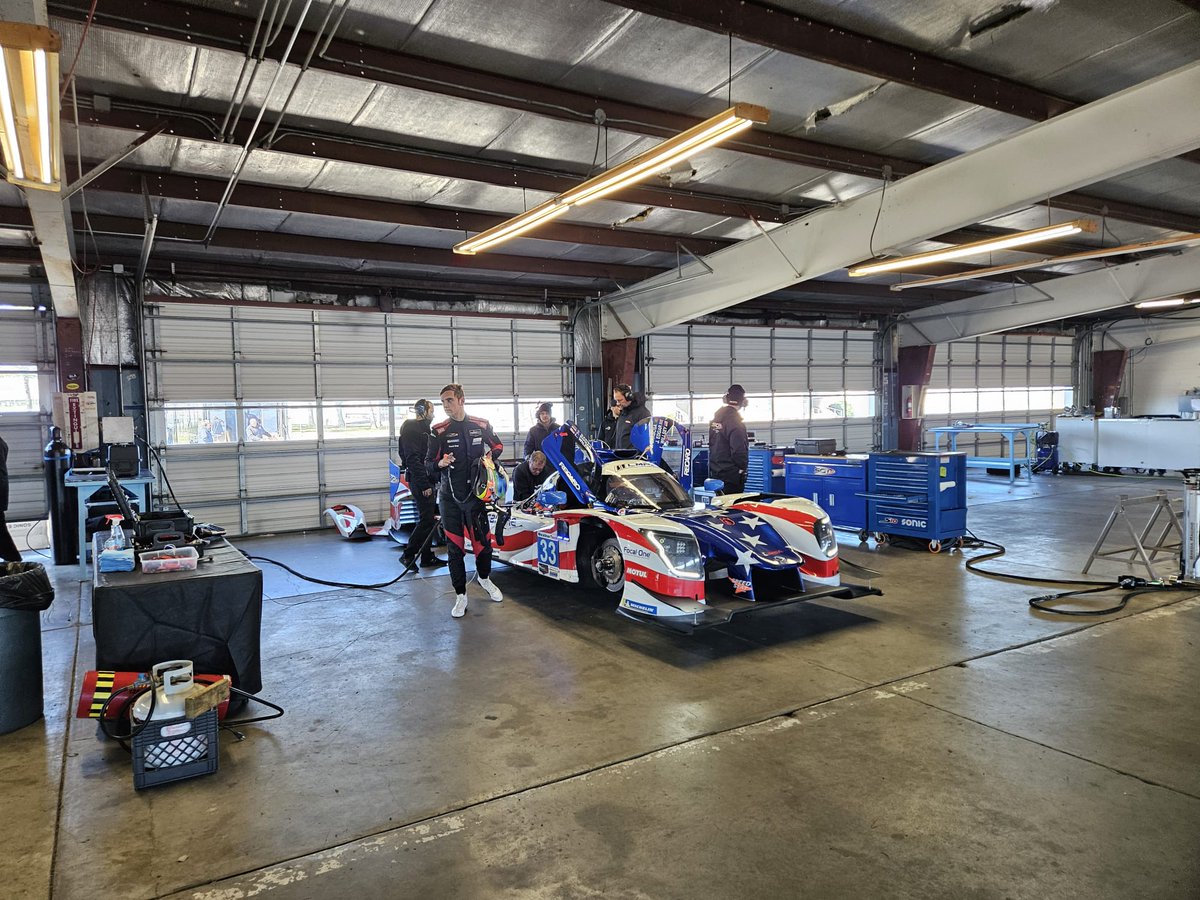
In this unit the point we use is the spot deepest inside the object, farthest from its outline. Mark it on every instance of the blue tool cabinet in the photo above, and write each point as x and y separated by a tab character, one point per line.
835	483
918	495
764	471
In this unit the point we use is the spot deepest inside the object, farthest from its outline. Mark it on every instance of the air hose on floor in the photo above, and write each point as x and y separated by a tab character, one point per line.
1133	585
411	567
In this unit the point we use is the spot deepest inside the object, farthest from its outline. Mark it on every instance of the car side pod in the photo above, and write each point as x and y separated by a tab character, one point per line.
715	612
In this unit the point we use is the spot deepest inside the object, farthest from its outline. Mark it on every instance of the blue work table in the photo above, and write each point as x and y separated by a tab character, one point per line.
87	484
1008	430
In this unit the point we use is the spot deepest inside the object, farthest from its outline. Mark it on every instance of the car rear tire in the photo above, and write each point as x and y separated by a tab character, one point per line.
602	567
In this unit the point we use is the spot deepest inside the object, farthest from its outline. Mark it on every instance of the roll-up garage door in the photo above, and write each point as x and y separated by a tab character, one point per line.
801	382
268	416
1014	378
26	385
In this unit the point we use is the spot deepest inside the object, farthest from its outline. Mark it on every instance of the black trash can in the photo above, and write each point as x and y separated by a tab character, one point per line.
25	591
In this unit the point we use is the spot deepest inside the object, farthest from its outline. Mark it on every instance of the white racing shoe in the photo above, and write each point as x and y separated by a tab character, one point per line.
460	606
491	590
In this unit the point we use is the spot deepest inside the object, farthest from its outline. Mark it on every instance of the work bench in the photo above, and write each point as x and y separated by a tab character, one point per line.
1009	431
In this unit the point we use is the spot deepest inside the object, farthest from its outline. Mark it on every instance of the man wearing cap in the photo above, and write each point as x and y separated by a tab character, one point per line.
728	445
414	442
543	426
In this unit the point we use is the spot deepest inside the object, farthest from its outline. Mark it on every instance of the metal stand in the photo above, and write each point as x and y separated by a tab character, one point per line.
1190	552
1142	550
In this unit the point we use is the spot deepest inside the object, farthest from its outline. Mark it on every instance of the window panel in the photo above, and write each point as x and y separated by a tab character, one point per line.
345	421
19	389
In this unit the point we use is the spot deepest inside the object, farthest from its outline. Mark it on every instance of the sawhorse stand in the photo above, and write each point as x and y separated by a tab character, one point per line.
1143	550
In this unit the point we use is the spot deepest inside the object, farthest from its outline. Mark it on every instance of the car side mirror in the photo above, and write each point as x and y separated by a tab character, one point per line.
713	484
551	498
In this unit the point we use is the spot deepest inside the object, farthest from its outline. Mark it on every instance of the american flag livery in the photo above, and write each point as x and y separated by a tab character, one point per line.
618	522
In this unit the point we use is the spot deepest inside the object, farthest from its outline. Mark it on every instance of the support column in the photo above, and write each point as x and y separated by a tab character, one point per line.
68	333
1108	371
619	361
915	366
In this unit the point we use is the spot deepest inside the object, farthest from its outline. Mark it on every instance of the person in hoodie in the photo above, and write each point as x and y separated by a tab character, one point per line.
543	426
627	410
728	443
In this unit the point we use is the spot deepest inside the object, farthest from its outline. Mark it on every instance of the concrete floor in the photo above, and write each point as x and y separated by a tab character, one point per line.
942	740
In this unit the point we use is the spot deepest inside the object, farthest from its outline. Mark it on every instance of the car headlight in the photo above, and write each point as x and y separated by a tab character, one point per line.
681	552
823	532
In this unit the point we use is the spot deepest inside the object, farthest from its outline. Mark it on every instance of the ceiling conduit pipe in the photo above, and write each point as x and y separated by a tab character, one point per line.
270	138
237	88
244	156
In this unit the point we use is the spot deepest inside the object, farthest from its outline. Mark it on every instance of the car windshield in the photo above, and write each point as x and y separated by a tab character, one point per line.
646	490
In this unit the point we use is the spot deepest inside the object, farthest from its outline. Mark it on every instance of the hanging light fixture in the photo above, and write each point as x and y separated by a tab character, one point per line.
1173	301
1007	242
711	131
1186	240
29	120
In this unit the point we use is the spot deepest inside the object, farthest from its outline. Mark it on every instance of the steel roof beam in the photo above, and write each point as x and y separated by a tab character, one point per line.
208	28
304	245
1152	121
210	190
310	145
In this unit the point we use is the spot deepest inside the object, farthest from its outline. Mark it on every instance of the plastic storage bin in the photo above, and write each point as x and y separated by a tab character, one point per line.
169	559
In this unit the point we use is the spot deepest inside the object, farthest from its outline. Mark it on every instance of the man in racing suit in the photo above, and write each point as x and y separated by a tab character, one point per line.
414	444
728	444
456	451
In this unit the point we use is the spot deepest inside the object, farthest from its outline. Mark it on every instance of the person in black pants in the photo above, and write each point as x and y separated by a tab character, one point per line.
414	444
457	449
728	443
8	547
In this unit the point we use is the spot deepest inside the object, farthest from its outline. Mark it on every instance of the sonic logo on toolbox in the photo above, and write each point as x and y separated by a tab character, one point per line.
824	470
617	522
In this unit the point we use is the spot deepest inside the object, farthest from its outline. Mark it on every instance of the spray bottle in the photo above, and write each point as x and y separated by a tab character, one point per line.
116	534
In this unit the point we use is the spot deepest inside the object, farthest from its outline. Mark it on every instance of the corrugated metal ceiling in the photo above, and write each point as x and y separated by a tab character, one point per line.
607	54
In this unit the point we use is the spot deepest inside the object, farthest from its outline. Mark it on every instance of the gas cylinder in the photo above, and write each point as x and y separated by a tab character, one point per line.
64	538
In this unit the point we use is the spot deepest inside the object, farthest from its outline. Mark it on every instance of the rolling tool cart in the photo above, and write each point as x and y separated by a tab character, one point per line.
917	495
764	470
837	484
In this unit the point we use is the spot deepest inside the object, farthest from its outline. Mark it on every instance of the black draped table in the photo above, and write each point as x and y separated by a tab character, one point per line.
211	616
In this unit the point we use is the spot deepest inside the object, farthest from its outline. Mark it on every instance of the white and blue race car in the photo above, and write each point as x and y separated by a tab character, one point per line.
620	522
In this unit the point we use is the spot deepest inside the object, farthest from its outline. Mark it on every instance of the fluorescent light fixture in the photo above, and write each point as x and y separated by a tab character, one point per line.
1186	240
1174	301
700	137
30	133
1007	242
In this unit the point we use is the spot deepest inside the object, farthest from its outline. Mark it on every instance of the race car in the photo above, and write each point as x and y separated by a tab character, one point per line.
619	522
